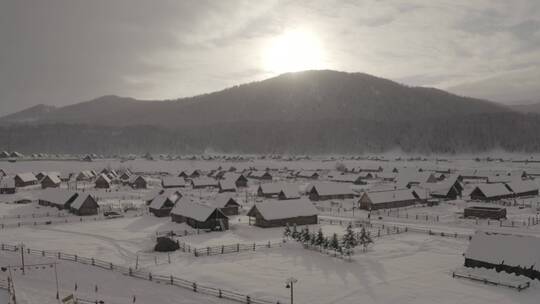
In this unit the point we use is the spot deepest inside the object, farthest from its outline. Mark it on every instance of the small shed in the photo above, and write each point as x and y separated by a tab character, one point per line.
204	182
523	188
139	182
269	190
227	185
260	175
225	203
484	212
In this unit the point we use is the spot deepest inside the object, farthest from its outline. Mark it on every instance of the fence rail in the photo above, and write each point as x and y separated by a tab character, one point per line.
227	249
145	275
64	220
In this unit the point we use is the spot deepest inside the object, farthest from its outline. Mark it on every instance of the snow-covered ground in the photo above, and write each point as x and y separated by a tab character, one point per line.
404	268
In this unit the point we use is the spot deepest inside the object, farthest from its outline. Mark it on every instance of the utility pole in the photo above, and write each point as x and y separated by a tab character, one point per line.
56	278
22	258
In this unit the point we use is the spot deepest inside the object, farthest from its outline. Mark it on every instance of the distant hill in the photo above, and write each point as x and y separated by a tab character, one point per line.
32	114
527	108
304	112
302	96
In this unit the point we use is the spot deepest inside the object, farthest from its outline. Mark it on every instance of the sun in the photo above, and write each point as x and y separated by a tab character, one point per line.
294	50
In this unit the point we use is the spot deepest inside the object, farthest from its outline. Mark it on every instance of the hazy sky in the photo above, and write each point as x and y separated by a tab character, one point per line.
62	52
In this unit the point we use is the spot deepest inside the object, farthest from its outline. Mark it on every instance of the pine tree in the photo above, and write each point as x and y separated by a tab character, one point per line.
334	242
349	241
364	239
287	231
319	240
295	233
305	236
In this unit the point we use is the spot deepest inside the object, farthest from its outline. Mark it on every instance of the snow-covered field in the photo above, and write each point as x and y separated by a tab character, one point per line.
405	268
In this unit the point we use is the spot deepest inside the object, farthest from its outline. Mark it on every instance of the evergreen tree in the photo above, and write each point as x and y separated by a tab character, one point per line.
319	239
334	242
349	241
305	236
295	233
287	231
364	239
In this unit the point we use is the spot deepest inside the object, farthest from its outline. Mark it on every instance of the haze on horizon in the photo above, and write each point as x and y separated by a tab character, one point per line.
60	52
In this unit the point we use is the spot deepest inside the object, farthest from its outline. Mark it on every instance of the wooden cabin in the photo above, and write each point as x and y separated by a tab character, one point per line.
199	216
50	181
25	179
282	213
84	204
387	199
328	191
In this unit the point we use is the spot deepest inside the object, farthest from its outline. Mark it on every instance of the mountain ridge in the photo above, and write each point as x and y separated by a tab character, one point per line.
308	95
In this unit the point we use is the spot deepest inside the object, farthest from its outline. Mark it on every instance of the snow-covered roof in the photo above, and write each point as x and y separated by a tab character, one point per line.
390	196
53	178
78	202
27	177
513	250
521	186
193	210
104	178
273	210
173	181
221	200
271	188
227	184
56	196
493	190
204	182
161	199
324	189
290	191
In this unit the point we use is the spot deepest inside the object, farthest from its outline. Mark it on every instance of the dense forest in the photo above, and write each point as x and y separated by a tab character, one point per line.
471	133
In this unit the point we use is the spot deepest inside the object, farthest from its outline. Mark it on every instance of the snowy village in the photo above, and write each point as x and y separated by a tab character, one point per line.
268	229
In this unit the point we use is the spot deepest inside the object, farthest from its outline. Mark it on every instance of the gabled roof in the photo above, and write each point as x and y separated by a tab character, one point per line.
493	190
194	210
56	196
273	210
325	189
173	181
221	201
513	250
390	196
290	191
161	199
53	178
521	186
227	184
204	181
27	177
78	202
104	178
258	174
271	188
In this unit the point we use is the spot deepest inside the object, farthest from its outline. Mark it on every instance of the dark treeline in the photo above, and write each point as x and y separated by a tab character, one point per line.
471	133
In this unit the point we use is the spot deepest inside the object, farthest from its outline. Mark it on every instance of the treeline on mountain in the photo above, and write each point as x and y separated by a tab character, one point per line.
458	134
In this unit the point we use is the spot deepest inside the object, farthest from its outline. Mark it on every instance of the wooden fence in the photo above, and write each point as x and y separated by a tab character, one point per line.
63	220
145	275
227	249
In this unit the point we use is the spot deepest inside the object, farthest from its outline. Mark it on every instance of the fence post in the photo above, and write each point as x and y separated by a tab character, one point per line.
219	294
248	300
222	249
111	266
75	258
172	280
253	246
237	247
130	272
150	276
194	287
